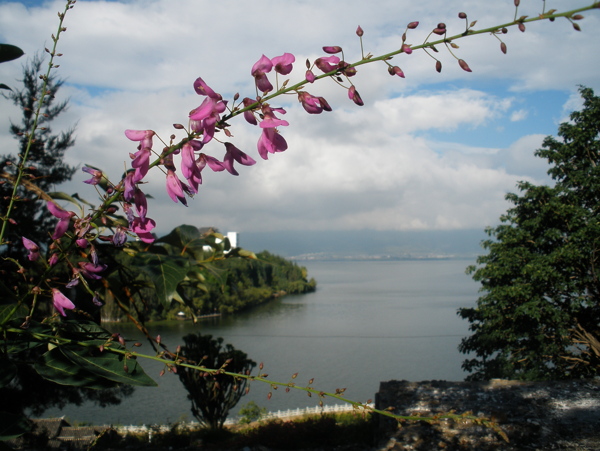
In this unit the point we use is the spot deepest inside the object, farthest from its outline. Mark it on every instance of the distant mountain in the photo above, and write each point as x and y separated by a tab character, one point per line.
366	243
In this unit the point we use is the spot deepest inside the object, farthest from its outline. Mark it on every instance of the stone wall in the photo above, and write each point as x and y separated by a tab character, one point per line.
534	415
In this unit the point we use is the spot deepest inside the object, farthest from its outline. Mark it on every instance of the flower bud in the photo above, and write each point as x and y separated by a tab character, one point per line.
178	126
406	49
503	47
395	70
439	31
332	49
442	25
359	31
412	25
517	2
355	96
521	27
462	15
464	66
438	66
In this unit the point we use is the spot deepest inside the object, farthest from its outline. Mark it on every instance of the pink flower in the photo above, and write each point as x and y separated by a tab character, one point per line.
95	173
141	204
141	164
310	77
212	163
141	159
327	63
142	228
64	219
61	302
204	118
259	71
143	136
270	141
53	260
283	64
249	115
233	153
34	250
82	243
119	237
129	186
270	120
175	188
204	90
312	104
189	168
90	271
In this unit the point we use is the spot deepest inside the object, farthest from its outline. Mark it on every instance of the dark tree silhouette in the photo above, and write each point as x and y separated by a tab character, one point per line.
213	396
45	165
539	315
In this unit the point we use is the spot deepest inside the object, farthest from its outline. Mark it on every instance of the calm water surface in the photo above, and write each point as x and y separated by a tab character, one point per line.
367	322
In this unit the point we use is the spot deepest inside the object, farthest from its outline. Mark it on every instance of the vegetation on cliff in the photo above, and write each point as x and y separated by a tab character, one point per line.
195	272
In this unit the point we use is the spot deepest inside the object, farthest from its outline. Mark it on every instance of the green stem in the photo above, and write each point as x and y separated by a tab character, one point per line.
30	141
58	341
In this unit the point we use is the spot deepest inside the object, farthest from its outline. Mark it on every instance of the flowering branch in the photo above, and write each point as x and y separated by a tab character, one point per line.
76	237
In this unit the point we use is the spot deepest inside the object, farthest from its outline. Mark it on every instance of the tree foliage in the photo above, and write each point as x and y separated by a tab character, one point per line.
46	167
539	315
196	271
213	395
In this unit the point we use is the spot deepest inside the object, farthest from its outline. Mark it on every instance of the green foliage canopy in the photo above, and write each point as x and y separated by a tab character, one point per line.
539	315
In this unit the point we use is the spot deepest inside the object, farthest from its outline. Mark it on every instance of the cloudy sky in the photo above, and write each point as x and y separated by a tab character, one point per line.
431	151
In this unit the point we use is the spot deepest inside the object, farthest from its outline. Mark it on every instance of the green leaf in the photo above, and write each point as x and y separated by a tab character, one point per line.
109	366
9	52
56	367
165	272
9	311
8	370
64	196
3	86
12	426
186	239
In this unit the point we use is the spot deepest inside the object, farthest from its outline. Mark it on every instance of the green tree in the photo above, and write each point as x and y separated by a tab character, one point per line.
45	164
213	395
539	315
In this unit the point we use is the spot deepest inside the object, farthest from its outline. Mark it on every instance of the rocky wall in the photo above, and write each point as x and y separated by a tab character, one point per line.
533	415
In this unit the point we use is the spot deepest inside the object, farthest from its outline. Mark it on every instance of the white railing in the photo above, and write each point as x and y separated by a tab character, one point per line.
337	408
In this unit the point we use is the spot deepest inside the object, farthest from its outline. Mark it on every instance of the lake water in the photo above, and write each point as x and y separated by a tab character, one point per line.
367	322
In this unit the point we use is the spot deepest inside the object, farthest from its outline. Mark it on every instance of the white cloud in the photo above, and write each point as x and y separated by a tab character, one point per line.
518	115
131	65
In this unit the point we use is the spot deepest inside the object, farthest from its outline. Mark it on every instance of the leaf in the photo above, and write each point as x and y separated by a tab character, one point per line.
8	370
109	366
64	196
9	52
165	272
186	239
12	426
56	367
3	86
9	311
